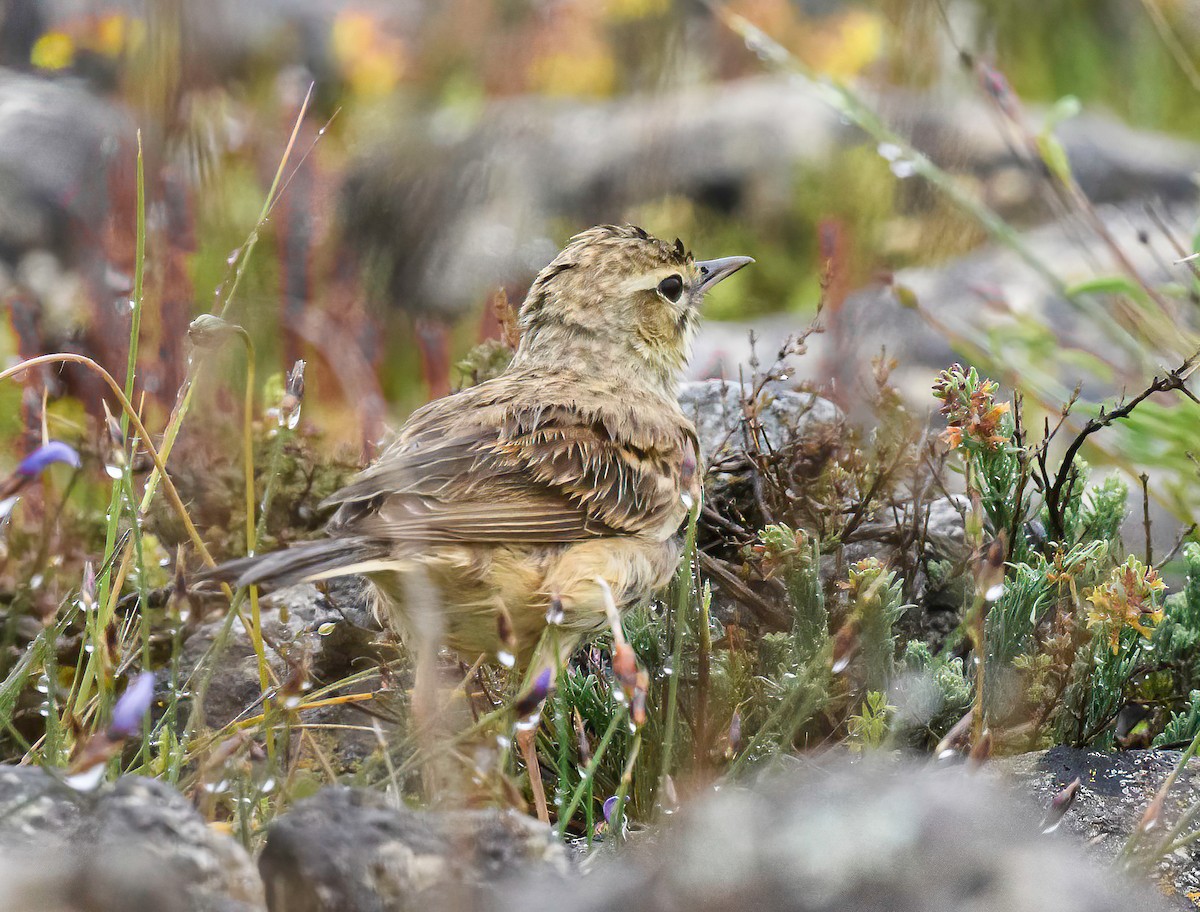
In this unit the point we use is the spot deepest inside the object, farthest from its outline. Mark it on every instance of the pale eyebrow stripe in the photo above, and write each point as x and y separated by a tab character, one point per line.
648	281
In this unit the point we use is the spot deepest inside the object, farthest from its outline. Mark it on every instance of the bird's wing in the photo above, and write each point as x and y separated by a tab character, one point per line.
491	466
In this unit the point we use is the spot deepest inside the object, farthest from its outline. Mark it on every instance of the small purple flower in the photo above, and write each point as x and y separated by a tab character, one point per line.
536	694
132	706
541	685
44	456
610	805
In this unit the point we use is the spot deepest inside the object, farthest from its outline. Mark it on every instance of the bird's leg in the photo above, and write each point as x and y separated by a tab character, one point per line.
425	630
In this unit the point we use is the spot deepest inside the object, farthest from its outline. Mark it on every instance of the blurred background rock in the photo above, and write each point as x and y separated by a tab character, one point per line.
1007	182
451	147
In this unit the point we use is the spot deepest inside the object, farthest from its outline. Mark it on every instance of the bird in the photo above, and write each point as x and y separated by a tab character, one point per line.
521	506
575	464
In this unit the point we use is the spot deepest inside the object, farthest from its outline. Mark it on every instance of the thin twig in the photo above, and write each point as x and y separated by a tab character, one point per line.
1175	380
1145	480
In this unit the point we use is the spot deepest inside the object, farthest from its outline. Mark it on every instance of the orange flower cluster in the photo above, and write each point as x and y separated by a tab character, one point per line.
973	416
1128	599
778	546
862	578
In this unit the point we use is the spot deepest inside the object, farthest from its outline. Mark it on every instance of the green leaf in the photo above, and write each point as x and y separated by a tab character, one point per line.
1055	157
1064	109
1117	284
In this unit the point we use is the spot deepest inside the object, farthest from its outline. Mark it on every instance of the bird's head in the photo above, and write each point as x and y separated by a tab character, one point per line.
617	298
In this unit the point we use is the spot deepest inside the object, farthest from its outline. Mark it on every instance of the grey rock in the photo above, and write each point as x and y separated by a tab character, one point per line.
58	141
988	291
135	844
332	633
1115	790
945	528
457	204
783	416
900	839
353	851
936	599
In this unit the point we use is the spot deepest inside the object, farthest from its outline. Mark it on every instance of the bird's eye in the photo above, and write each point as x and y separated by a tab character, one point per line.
671	287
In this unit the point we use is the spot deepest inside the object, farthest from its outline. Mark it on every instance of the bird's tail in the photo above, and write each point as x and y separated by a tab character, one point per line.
316	559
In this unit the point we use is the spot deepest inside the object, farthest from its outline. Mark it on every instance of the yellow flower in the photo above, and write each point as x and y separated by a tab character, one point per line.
1129	598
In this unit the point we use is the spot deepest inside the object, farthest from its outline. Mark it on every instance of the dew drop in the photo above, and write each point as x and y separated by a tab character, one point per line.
530	722
889	151
88	780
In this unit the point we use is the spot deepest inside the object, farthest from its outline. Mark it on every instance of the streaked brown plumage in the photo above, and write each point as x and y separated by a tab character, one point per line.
573	466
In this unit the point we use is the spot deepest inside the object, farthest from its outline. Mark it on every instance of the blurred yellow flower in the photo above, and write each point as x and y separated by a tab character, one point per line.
53	51
117	33
851	43
369	59
590	73
624	10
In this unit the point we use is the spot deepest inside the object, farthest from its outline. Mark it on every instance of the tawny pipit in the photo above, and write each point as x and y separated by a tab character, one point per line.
514	499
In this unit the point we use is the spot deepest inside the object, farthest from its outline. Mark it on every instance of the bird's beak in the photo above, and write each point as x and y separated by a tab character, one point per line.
713	271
